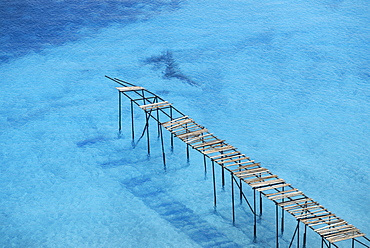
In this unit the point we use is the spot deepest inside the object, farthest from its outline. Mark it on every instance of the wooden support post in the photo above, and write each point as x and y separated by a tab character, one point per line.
353	243
232	197
298	234
254	216
187	153
171	133
205	163
132	122
260	204
322	242
119	112
158	123
223	177
282	216
305	236
163	153
214	185
277	225
147	132
241	192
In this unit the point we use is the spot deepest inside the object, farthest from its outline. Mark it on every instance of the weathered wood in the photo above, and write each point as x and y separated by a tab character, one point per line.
273	187
229	156
200	138
342	238
208	143
174	121
225	154
223	148
287	203
330	226
133	88
244	166
233	160
170	128
294	211
251	171
311	213
279	197
155	105
182	128
259	179
195	133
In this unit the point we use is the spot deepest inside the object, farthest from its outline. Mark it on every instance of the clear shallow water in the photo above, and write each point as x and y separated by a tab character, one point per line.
285	82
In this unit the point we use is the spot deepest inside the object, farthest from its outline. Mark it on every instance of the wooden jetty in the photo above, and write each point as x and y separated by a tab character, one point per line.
242	169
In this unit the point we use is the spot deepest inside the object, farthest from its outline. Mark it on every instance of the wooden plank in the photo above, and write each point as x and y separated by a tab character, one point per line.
155	105
244	166
270	182
341	238
257	174
294	211
251	171
187	130
319	221
287	203
233	160
259	179
279	197
316	218
180	124
339	229
187	127
273	187
223	148
300	206
201	138
343	222
240	163
174	121
281	192
208	143
132	88
311	213
224	154
195	133
326	222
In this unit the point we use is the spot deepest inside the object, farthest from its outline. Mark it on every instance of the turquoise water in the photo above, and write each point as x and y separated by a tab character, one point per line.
286	82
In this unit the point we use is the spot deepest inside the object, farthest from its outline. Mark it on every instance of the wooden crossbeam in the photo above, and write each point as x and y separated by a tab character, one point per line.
200	138
294	211
229	157
244	165
311	213
225	154
133	88
330	226
273	187
208	143
259	179
345	237
223	148
179	124
232	160
287	203
282	196
174	121
251	171
195	133
155	105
